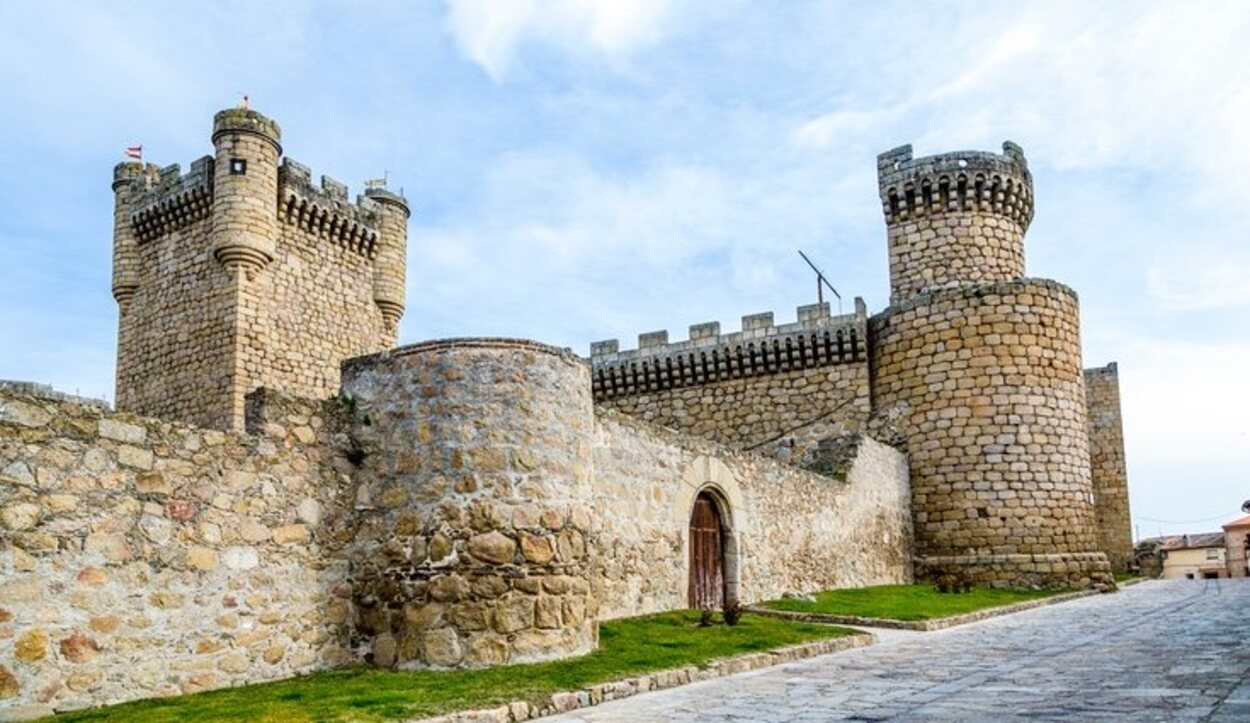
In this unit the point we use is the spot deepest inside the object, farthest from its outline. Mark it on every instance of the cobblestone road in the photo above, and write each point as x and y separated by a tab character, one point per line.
1158	651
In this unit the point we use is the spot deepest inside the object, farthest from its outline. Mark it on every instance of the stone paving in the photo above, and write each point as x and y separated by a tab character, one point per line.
1158	651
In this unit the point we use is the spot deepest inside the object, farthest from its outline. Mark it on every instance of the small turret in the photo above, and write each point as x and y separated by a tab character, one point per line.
391	261
955	218
127	183
245	189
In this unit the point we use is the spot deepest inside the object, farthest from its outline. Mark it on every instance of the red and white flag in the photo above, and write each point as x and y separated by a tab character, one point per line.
135	152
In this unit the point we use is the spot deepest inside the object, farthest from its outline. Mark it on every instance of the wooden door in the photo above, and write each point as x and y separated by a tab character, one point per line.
707	578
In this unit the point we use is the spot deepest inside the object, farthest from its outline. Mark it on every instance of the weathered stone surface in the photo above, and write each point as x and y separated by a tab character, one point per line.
241	558
20	516
537	550
290	534
448	588
122	431
27	589
135	457
493	547
384	649
93	576
547	612
31	646
203	559
441	647
153	483
9	687
79	648
515	613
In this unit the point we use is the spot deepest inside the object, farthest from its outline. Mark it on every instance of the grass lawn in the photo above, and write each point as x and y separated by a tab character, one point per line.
907	602
627	647
1126	576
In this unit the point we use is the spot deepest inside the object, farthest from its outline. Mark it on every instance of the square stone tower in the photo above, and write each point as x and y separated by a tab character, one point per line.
243	274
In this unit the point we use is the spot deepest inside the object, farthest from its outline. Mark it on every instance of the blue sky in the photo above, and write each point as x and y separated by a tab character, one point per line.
587	169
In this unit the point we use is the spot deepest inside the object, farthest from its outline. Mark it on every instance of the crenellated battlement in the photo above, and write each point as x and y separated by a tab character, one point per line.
963	181
762	347
325	211
245	272
165	200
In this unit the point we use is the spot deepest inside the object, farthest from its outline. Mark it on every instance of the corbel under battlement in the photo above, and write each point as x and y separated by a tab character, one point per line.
165	202
762	347
325	210
979	181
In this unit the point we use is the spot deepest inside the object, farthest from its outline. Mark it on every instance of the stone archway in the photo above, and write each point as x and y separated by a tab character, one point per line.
707	555
708	478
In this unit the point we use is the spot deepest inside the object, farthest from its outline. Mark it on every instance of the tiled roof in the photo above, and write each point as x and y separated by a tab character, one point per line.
1243	522
1199	540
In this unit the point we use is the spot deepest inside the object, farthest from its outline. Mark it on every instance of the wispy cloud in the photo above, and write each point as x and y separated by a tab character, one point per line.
492	33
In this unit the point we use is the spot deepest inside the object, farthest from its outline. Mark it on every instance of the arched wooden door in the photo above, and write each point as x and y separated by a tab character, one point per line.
707	558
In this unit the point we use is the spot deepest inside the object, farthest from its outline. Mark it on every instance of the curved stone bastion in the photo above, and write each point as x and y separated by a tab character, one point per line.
474	468
997	438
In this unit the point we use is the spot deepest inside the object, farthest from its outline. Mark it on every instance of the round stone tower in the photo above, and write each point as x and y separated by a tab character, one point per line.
245	189
390	264
475	466
986	366
127	183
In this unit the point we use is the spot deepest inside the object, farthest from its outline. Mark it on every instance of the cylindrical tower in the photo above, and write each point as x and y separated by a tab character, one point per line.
245	189
987	366
955	218
391	261
477	546
126	178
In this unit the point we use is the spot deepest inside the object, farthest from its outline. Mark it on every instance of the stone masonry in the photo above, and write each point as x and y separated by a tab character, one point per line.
1107	466
780	388
987	365
477	470
973	370
243	274
463	504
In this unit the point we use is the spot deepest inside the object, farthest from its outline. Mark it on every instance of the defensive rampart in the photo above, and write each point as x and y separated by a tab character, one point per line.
774	388
462	504
142	558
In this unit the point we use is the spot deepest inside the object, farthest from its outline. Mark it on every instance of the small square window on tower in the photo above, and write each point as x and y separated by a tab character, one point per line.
238	166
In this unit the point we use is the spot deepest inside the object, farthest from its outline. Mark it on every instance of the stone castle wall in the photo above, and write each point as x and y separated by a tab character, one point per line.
996	431
475	545
462	504
791	530
775	388
243	274
142	558
1108	472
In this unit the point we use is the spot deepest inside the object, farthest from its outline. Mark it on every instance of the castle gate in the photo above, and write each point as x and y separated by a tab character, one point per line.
707	558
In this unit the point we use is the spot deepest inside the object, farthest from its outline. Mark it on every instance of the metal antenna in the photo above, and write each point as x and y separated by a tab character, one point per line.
822	283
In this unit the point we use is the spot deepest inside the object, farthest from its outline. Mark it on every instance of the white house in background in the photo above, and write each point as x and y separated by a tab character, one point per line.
1194	557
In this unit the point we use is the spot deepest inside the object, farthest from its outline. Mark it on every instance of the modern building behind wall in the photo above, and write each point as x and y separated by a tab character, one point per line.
276	469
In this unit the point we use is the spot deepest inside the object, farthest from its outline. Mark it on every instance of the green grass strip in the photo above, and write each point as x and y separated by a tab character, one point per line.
907	602
627	648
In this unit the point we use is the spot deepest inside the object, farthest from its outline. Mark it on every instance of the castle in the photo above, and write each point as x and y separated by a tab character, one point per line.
281	491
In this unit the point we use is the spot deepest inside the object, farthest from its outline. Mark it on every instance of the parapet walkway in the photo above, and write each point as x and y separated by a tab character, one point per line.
1158	651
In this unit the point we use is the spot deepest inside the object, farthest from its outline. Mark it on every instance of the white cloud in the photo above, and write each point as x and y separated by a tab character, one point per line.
491	33
563	251
1146	87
